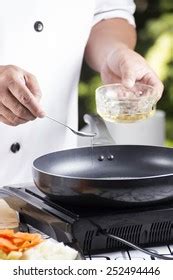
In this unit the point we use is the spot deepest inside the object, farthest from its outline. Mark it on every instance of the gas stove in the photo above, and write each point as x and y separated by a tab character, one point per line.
143	226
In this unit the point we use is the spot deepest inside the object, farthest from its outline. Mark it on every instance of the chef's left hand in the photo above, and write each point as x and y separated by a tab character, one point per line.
126	66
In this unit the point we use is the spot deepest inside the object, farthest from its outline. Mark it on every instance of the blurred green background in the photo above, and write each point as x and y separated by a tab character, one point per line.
154	21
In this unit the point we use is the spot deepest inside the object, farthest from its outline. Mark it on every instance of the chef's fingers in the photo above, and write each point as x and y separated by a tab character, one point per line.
4	120
128	78
10	102
150	78
108	76
33	85
10	117
20	91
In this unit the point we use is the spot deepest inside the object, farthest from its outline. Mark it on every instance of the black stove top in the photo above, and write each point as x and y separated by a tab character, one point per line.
75	226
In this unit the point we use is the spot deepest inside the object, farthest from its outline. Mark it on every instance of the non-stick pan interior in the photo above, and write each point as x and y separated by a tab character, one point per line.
108	162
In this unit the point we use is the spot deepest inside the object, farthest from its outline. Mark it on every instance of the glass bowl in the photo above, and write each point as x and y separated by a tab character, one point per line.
116	103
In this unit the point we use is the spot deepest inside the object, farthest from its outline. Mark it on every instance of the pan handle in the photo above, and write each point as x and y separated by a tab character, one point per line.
96	124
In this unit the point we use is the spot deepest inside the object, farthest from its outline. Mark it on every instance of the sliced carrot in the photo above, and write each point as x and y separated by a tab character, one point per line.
26	236
6	232
7	243
19	241
5	250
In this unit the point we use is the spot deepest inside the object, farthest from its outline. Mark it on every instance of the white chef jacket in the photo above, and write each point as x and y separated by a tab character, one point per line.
47	38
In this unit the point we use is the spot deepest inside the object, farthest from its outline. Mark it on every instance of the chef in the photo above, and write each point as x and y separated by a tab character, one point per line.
42	45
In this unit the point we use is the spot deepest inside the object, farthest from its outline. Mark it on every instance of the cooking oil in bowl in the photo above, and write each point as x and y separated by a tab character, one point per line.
126	118
116	103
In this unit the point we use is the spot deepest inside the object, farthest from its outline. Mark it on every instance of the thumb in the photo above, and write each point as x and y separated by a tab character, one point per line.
128	79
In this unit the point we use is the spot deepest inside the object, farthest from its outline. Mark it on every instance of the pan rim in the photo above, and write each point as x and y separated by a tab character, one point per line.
106	179
102	178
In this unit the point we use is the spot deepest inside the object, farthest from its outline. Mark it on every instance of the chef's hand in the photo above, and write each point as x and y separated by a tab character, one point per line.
126	66
19	96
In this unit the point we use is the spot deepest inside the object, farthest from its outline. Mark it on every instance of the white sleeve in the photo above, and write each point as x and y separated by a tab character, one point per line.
106	9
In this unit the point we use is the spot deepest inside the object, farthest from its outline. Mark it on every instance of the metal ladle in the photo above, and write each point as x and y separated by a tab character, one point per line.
79	133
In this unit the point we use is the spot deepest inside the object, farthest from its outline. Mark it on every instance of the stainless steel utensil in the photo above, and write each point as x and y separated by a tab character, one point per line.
79	133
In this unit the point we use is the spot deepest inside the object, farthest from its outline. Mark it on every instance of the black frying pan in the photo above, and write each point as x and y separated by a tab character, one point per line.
111	175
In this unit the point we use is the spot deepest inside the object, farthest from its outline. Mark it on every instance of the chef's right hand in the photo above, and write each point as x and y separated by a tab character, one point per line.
19	96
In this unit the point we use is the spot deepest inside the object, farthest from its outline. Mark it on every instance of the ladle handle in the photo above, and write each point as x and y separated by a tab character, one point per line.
97	124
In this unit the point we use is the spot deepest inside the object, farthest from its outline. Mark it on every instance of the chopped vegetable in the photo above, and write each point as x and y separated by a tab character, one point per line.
31	246
13	255
7	245
19	241
50	250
